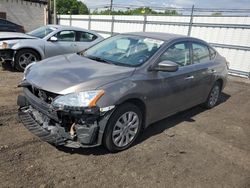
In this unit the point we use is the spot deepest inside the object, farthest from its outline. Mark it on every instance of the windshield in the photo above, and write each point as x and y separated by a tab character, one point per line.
126	50
42	32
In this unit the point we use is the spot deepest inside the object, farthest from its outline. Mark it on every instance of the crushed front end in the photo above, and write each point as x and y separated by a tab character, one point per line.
6	55
6	52
74	127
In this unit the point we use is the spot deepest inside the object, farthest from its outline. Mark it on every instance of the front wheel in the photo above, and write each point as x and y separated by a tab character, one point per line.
24	57
123	127
213	96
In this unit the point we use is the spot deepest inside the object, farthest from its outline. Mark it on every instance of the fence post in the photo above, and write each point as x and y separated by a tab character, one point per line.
191	21
112	25
70	20
144	23
89	24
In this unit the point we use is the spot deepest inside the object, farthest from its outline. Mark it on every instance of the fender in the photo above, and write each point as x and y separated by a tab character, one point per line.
34	44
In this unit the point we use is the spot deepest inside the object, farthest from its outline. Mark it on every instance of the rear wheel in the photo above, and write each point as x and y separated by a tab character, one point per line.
213	96
123	127
24	57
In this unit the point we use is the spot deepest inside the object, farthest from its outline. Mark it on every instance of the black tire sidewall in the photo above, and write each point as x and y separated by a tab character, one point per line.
17	56
107	138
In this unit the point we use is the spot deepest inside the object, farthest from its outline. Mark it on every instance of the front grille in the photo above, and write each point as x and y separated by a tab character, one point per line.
46	96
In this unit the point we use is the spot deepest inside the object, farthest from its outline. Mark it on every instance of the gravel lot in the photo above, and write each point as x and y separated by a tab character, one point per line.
195	148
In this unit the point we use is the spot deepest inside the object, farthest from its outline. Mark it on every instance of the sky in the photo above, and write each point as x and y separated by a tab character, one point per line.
228	4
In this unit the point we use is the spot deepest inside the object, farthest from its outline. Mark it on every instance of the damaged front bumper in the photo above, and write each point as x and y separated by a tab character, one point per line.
6	55
72	129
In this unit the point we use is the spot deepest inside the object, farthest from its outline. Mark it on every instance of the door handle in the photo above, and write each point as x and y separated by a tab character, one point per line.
189	77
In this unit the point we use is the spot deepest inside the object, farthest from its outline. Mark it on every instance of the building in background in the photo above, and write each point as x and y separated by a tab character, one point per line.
28	13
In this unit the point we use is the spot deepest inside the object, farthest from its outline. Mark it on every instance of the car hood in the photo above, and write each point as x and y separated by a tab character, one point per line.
73	73
14	36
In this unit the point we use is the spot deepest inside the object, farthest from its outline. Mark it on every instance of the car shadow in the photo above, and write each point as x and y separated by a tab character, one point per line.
184	116
153	129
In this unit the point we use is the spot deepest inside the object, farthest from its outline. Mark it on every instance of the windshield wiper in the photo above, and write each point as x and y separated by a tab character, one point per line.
99	59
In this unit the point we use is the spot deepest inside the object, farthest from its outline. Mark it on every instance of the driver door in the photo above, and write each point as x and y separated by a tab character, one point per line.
64	42
174	89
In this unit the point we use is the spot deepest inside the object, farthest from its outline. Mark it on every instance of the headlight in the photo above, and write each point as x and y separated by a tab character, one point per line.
78	100
5	45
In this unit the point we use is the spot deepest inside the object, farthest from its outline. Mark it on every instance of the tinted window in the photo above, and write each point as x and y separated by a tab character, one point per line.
200	53
178	53
10	23
86	37
2	21
66	36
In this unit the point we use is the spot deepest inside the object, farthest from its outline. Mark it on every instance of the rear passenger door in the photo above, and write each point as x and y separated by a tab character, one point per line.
203	70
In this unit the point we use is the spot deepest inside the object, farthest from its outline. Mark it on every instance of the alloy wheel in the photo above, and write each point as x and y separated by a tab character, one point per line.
26	59
125	129
214	96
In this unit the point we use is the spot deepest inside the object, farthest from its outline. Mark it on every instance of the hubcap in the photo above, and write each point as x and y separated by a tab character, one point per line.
26	59
125	129
214	95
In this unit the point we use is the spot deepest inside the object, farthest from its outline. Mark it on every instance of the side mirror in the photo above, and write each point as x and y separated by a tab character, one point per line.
53	39
166	66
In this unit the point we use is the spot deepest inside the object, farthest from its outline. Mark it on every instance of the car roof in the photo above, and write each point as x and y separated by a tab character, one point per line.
67	27
73	28
158	35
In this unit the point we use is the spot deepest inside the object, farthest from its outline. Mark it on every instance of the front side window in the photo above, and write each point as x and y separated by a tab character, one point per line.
66	36
86	37
200	53
42	32
178	53
126	50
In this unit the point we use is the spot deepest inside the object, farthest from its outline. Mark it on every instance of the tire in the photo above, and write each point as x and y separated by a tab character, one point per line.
25	57
126	131
213	96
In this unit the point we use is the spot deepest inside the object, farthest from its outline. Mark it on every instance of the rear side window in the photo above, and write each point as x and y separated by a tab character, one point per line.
9	23
86	37
66	36
212	53
178	53
2	21
201	53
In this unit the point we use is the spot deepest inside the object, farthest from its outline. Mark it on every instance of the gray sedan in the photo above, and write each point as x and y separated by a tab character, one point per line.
111	92
47	41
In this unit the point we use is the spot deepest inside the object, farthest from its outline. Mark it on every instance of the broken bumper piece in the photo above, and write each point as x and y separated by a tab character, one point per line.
6	55
72	130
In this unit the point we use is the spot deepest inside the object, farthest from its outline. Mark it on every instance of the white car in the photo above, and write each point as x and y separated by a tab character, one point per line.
46	41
